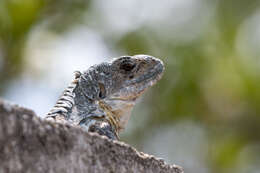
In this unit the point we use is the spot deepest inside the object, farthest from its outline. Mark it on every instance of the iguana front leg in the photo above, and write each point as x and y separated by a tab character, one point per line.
100	126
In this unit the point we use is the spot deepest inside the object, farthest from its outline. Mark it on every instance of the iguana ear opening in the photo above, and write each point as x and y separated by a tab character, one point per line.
102	91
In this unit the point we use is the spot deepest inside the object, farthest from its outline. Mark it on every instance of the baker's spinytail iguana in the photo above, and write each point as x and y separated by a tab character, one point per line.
101	98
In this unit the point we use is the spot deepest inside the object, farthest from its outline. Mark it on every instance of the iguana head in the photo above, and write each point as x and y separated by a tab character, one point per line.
116	85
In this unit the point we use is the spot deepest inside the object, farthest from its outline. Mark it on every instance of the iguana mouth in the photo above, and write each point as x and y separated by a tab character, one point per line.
120	99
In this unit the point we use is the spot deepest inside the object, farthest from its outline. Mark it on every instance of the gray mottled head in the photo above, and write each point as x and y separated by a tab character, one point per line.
120	82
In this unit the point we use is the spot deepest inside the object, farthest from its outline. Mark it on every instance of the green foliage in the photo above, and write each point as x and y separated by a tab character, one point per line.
17	19
225	151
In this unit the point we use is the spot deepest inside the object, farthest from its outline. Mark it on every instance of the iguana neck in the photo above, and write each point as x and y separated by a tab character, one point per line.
84	107
97	109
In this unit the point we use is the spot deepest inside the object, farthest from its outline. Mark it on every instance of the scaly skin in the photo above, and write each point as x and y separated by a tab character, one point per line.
101	98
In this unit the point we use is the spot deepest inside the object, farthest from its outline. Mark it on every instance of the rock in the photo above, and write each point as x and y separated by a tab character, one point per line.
30	144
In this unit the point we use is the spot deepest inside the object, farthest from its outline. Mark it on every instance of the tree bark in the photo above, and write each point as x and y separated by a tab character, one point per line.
30	144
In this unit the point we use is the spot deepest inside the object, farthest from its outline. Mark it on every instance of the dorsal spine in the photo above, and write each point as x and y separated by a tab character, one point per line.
66	101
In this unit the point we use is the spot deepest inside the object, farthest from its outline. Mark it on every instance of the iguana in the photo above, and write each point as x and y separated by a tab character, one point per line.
101	98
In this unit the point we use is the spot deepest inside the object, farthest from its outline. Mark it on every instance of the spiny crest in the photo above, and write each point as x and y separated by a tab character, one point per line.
66	101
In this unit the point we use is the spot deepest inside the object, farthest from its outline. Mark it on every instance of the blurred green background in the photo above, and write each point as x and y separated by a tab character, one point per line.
205	112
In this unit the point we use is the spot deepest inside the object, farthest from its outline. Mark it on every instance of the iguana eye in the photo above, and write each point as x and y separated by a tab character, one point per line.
127	65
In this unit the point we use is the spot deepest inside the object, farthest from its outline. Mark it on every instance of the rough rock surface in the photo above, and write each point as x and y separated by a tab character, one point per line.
29	144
